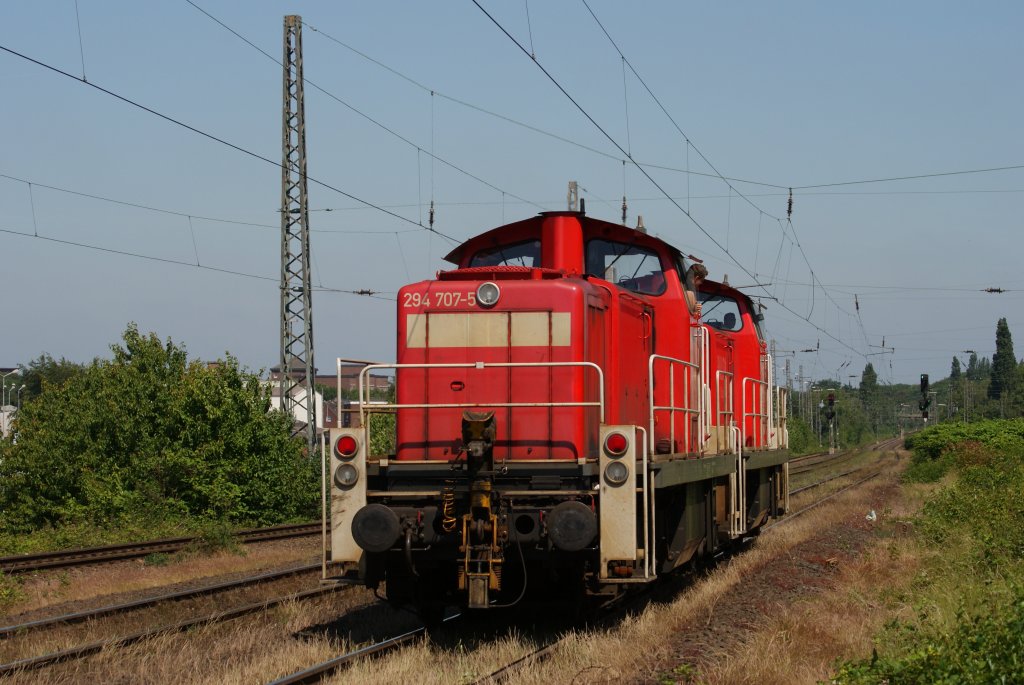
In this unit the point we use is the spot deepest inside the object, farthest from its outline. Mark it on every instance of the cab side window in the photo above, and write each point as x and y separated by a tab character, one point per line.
720	311
637	269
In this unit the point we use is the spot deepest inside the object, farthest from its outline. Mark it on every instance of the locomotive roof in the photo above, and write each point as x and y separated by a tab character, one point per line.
531	228
721	288
527	228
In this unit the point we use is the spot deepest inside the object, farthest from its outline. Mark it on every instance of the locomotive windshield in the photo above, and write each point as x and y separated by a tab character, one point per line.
518	254
629	266
720	311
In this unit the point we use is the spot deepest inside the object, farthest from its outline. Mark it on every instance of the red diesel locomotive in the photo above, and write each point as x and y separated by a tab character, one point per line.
564	424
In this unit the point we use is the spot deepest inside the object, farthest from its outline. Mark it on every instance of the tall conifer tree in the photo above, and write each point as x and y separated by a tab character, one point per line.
1004	363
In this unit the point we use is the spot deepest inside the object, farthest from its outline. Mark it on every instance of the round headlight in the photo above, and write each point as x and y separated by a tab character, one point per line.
345	476
346	447
616	473
487	294
616	444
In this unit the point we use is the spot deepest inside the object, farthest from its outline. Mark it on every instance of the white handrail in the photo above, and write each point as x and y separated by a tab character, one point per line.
648	519
468	405
705	388
769	372
762	415
671	407
739	525
727	415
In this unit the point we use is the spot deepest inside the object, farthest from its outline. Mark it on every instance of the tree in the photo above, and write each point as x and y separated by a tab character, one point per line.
47	371
869	394
328	392
972	367
868	385
954	371
151	434
1004	363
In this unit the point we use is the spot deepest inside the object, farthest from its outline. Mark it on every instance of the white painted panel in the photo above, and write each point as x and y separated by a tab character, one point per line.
487	329
539	329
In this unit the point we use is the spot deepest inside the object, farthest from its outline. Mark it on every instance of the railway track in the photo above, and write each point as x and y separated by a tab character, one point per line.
315	674
810	462
822	482
95	555
506	671
111	609
90	648
319	671
829	460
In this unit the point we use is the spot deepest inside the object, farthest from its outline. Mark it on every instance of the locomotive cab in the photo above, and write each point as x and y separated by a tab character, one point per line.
749	420
556	426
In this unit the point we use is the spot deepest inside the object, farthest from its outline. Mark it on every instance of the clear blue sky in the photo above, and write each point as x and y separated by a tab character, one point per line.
787	94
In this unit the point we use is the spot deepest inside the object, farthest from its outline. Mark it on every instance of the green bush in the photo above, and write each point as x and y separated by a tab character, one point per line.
150	437
214	536
157	559
981	649
976	524
929	461
801	439
985	503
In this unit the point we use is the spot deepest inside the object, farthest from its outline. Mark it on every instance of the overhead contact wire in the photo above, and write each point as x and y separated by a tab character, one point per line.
172	212
167	260
212	137
356	111
516	122
587	115
665	111
689	143
910	178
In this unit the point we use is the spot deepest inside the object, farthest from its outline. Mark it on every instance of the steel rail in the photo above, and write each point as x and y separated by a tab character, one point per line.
513	667
800	512
888	443
832	478
124	640
316	673
503	673
21	563
882	445
79	616
805	457
822	482
831	461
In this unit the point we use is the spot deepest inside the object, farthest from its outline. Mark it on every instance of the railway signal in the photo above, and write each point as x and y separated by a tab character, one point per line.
925	400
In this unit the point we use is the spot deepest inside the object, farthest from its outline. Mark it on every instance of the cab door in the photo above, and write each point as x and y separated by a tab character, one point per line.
635	338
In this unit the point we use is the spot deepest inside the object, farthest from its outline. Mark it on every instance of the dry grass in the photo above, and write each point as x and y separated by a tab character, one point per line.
59	637
796	644
792	643
801	642
51	588
247	650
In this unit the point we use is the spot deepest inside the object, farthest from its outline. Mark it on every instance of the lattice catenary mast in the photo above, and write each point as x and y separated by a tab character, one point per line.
297	371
